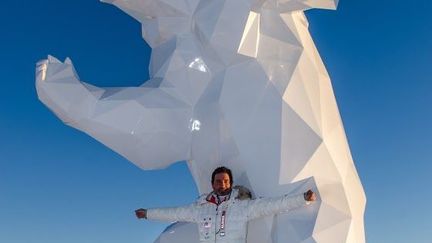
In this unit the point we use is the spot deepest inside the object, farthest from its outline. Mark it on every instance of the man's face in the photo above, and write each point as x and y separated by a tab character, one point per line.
221	184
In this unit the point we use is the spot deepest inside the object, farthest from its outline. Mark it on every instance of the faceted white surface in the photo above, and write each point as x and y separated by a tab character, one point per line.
236	83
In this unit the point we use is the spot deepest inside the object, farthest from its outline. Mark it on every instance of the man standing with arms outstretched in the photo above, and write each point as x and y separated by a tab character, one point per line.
222	215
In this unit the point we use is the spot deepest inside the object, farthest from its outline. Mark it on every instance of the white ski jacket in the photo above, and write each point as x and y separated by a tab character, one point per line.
226	222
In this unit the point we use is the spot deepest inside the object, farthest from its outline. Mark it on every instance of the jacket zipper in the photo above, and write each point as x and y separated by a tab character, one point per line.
217	214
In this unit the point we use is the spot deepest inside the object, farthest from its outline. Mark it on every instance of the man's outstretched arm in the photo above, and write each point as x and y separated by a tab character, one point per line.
269	206
185	213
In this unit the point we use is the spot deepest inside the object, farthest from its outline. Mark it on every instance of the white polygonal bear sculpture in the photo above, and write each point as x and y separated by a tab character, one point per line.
237	83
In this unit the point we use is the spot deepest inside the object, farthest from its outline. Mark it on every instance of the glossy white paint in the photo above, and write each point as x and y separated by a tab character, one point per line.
236	83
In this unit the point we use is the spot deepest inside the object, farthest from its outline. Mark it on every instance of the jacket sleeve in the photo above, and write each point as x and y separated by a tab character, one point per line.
184	213
268	206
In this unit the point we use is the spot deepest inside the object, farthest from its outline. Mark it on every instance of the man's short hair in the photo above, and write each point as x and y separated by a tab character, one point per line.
222	169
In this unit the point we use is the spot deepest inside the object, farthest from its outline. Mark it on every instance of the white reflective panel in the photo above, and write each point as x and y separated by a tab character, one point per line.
237	83
195	125
41	70
179	232
198	64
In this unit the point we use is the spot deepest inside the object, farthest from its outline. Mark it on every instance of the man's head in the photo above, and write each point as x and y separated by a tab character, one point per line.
222	180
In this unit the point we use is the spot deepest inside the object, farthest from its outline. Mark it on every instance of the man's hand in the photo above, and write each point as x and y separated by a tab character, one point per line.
310	196
141	213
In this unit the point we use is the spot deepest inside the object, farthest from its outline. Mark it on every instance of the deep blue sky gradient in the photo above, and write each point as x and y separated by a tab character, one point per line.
58	185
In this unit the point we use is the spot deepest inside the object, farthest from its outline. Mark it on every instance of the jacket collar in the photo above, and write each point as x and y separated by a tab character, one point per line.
216	199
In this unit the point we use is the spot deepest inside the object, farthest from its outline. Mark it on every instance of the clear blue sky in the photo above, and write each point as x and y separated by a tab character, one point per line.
58	185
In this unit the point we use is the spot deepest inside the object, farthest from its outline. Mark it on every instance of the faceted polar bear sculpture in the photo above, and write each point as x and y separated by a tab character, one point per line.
236	83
